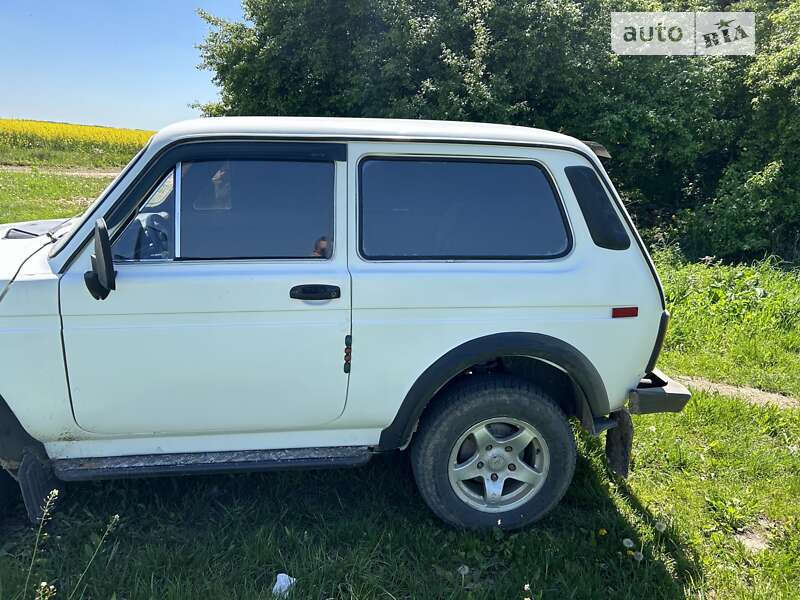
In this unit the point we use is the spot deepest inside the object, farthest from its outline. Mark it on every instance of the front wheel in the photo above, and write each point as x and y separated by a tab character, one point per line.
493	451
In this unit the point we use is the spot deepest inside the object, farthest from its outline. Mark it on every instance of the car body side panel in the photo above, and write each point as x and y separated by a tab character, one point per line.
407	314
33	380
95	445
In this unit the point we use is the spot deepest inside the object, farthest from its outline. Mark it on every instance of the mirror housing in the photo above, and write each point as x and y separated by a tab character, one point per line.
102	278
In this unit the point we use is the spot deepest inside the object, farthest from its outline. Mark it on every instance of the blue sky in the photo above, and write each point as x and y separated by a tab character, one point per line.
125	63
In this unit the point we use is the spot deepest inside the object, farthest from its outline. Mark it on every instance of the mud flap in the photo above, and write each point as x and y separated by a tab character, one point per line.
619	441
9	491
36	481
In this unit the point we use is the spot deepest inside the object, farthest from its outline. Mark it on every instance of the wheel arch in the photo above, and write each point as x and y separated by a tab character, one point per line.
15	440
590	392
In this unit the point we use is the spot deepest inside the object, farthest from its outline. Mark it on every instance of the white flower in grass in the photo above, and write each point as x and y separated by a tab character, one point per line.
463	570
638	556
628	543
661	527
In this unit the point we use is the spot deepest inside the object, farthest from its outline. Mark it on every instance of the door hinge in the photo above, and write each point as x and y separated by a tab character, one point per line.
348	348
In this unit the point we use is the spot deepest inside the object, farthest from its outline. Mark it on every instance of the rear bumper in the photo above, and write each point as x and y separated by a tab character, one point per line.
657	393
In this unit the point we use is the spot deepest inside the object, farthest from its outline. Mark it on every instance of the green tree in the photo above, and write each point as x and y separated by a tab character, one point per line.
756	210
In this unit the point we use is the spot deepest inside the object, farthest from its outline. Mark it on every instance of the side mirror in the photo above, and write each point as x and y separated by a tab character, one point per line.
102	278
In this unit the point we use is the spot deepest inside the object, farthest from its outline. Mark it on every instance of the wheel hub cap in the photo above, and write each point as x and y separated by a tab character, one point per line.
498	464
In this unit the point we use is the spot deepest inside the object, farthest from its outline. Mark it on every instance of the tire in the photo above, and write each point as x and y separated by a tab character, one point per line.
510	408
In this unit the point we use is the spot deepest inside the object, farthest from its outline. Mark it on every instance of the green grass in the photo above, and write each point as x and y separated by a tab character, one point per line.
30	196
717	470
100	158
738	324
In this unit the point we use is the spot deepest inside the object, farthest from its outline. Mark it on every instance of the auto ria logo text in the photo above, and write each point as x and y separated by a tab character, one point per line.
683	33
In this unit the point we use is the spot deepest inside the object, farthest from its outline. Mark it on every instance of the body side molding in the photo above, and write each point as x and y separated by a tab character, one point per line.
193	463
534	345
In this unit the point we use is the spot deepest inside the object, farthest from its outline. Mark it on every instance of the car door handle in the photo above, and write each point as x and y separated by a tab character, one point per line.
315	291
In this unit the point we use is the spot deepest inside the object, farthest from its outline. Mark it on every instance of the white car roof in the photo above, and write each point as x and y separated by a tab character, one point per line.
340	128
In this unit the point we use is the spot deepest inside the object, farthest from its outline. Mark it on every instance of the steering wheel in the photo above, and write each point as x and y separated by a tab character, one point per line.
153	240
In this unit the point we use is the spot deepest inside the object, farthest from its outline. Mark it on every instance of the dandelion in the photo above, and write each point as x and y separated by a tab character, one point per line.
638	556
628	543
661	527
630	553
602	532
526	587
463	570
652	429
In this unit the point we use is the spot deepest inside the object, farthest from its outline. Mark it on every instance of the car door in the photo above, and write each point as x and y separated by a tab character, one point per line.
232	299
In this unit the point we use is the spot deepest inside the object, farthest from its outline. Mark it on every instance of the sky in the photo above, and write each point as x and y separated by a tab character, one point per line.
123	63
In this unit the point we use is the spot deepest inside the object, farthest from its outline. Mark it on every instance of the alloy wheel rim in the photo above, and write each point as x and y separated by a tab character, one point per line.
498	464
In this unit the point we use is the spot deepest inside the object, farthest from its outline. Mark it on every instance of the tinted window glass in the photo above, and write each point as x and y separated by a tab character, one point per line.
149	236
256	209
604	225
459	209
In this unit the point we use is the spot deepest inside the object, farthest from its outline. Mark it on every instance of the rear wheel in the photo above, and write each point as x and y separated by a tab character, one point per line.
493	451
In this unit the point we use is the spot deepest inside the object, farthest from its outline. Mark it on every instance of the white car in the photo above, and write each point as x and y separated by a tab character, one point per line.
258	293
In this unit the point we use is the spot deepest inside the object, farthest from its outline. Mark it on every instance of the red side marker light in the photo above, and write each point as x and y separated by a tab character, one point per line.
622	312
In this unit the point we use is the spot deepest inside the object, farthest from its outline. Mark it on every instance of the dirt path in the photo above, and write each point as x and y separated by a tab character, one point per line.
64	172
751	395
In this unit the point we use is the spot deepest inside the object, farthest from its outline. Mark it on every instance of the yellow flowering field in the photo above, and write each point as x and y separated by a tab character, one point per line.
64	144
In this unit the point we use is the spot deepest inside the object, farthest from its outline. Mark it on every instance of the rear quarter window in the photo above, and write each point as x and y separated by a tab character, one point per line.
459	209
602	220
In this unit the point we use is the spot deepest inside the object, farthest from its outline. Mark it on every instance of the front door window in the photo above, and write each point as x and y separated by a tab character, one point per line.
150	235
266	209
234	209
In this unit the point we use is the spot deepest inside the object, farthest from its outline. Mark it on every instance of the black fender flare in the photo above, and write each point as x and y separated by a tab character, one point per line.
589	385
15	440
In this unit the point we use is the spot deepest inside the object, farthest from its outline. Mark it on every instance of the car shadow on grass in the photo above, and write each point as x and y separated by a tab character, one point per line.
345	533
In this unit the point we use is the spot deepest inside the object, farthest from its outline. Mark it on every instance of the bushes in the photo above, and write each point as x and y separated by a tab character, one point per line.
756	207
756	213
